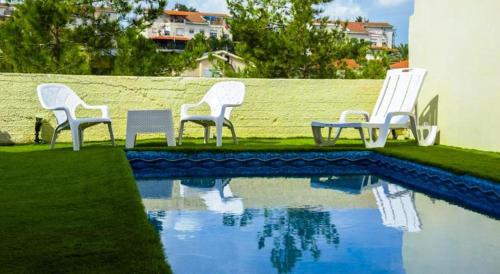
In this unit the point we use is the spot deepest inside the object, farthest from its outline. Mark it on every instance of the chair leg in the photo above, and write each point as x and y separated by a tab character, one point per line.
54	137
362	135
111	134
329	134
81	136
75	134
130	139
218	128
318	139
235	139
207	134
381	139
181	131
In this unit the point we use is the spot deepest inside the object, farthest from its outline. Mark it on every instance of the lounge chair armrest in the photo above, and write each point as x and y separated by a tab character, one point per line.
393	114
104	109
346	113
69	114
186	107
223	109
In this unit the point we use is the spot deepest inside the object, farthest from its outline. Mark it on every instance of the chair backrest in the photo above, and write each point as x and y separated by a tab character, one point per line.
227	92
399	93
58	95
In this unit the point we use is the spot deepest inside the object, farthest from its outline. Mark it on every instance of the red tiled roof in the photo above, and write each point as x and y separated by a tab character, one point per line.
194	16
400	65
360	27
191	16
356	27
177	38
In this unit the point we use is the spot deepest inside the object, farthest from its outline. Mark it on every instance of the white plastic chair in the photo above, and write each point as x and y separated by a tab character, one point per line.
221	98
395	109
63	102
397	207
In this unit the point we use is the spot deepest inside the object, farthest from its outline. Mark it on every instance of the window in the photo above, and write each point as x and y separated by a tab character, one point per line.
191	31
179	32
202	31
166	30
213	33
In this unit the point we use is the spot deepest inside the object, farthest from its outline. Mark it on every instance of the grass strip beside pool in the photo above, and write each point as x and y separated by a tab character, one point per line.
66	212
481	164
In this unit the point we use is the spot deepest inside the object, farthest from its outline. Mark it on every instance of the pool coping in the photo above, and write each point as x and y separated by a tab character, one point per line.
465	190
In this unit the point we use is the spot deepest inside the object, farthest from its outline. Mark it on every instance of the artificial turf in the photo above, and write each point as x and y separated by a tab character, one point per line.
80	212
67	212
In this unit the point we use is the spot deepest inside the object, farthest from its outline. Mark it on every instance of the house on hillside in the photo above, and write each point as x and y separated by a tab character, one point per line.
378	34
6	10
213	64
173	29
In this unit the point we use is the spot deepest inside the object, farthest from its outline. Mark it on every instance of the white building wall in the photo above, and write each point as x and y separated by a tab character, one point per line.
454	40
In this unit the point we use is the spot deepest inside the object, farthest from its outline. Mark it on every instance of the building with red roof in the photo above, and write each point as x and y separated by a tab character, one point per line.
400	65
174	28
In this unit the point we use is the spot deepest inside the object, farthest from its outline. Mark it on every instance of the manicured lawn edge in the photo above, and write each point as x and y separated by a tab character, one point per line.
67	212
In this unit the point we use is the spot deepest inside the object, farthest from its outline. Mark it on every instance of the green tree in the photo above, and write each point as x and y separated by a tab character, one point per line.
137	55
182	7
287	38
37	39
376	68
403	51
73	36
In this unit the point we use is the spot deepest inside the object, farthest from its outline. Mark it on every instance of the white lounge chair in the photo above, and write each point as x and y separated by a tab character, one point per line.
63	102
221	98
395	109
397	207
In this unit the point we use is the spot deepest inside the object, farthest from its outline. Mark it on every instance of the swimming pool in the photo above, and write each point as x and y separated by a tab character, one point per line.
351	212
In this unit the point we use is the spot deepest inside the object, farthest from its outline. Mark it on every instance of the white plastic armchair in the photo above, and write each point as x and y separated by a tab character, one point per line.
221	98
63	102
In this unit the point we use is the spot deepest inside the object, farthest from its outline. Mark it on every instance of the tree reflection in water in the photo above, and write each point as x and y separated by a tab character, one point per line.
153	218
293	232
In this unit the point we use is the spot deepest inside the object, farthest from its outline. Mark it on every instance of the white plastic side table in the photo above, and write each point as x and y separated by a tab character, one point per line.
149	121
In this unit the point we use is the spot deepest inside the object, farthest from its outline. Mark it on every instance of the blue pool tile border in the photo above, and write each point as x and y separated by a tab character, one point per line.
476	193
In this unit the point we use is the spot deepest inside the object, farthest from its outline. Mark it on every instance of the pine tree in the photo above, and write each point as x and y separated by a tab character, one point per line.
287	38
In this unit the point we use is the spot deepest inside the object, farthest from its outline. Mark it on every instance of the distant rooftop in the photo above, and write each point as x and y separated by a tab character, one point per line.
361	27
195	16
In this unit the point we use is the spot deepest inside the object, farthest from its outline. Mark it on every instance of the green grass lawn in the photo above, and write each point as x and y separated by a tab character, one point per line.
66	212
80	212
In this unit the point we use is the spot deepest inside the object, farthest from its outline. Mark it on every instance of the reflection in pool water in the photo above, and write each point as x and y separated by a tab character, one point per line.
328	224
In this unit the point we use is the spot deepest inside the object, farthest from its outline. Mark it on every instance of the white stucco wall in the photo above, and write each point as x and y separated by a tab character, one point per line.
454	40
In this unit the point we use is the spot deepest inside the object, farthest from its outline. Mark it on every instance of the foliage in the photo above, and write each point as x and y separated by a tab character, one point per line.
287	38
361	19
35	42
182	7
74	36
403	51
195	49
137	55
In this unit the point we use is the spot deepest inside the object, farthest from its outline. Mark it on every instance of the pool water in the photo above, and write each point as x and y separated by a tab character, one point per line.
362	223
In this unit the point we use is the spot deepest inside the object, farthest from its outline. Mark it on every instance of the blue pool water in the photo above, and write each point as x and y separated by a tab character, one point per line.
296	217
